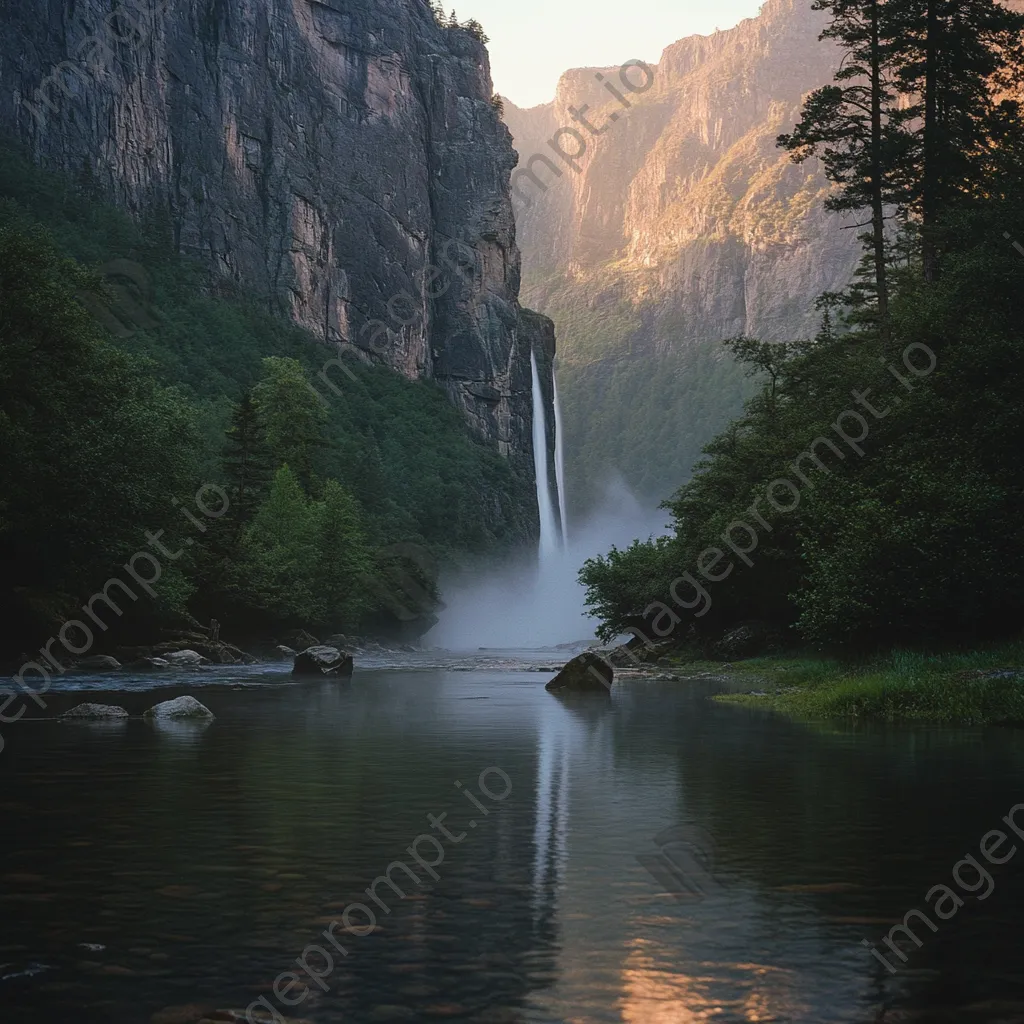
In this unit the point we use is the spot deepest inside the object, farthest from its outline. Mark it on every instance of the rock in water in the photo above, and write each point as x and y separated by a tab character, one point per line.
186	658
588	673
96	711
284	653
98	663
147	665
323	661
180	707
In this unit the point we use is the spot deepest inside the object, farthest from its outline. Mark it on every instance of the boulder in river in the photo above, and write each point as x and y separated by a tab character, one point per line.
180	707
106	711
147	665
98	663
282	652
587	673
185	659
323	661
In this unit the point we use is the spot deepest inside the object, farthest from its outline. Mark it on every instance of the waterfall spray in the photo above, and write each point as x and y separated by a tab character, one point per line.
560	465
548	526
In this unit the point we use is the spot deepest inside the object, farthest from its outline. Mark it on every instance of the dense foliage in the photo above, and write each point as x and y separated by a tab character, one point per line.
125	386
868	494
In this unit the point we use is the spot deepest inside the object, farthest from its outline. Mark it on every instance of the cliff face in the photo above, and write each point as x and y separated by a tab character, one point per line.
684	226
324	154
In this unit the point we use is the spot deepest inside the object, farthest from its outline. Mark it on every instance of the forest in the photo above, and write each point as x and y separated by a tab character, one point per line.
129	382
869	496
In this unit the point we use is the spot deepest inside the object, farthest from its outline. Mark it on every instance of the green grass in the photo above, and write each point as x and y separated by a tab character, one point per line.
959	688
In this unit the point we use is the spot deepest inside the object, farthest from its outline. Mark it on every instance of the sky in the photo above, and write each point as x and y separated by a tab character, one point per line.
534	41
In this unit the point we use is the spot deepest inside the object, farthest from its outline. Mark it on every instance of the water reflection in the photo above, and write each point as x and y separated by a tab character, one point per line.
199	863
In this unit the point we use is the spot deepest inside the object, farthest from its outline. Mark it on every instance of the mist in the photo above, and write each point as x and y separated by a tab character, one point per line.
539	602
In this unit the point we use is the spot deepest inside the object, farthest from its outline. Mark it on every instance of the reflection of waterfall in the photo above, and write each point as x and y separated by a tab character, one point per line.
560	464
548	525
550	835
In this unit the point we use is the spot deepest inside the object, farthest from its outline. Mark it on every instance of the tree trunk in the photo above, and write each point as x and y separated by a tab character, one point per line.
932	144
877	200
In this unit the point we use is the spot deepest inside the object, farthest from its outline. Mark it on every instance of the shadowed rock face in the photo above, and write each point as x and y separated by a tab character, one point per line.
320	153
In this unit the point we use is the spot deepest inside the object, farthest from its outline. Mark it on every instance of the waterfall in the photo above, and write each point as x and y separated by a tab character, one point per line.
548	526
560	465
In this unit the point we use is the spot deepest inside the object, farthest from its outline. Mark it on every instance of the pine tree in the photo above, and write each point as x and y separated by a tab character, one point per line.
247	460
953	58
856	126
343	558
291	414
277	562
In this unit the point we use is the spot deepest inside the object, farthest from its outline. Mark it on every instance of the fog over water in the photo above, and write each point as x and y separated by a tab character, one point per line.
539	602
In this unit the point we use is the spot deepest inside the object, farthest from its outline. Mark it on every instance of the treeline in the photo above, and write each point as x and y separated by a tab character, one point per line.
451	20
871	492
126	388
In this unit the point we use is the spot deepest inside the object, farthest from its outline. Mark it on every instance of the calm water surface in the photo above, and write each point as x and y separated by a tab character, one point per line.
205	860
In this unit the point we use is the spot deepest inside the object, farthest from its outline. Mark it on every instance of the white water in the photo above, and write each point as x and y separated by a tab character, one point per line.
539	603
560	466
548	526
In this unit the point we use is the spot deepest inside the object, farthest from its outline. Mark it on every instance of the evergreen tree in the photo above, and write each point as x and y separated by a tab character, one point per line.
857	127
291	415
278	555
476	30
954	58
246	460
344	559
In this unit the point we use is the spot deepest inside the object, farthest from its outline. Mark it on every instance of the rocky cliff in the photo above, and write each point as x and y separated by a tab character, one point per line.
683	226
341	159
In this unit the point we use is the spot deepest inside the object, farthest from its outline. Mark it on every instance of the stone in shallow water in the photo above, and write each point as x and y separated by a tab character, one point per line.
323	661
180	707
95	711
148	665
587	673
184	658
98	663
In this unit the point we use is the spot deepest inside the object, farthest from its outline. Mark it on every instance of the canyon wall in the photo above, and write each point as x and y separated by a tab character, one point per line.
684	225
339	159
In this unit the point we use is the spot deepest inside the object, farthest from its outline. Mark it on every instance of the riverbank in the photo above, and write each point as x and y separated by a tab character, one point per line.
983	687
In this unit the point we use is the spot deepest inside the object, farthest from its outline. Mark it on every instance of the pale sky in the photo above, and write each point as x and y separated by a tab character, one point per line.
534	41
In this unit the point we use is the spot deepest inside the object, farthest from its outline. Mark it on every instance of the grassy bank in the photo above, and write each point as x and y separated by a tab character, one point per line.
983	687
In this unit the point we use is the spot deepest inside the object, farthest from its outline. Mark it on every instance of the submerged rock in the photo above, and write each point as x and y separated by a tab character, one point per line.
587	673
95	711
323	661
98	663
180	707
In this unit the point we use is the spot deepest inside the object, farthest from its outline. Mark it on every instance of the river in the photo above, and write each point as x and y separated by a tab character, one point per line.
656	859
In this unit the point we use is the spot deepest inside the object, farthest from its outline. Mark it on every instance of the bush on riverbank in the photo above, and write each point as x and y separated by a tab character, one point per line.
983	687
